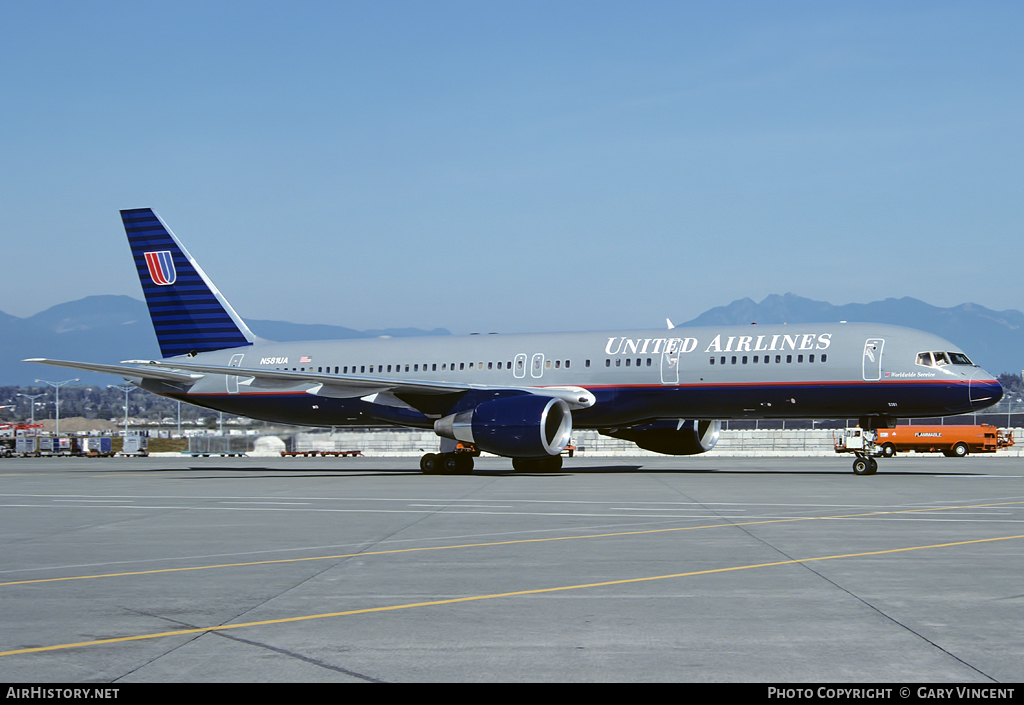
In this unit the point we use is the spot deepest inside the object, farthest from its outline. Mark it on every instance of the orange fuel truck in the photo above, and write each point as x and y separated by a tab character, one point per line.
951	441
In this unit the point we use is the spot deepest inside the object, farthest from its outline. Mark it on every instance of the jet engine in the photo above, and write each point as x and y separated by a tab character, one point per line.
524	426
671	436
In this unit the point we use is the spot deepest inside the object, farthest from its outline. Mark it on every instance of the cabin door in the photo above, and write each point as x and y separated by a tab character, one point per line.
232	380
872	363
670	361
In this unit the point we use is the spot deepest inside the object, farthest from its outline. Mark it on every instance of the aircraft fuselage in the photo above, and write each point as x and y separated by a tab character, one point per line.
764	371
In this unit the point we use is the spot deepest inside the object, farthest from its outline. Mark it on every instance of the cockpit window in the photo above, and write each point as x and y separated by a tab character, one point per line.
941	359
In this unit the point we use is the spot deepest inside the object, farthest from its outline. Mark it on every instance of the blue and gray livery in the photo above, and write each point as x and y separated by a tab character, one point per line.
520	396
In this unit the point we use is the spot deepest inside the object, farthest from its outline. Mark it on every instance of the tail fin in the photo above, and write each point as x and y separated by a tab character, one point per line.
189	314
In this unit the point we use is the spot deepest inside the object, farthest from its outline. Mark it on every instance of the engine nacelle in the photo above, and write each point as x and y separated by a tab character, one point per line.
525	426
672	436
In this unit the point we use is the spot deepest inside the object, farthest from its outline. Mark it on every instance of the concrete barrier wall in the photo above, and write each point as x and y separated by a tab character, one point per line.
405	442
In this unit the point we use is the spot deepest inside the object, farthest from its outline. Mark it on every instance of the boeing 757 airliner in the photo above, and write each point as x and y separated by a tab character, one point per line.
519	396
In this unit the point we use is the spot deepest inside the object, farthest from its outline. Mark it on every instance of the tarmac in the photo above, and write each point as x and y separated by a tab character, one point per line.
753	570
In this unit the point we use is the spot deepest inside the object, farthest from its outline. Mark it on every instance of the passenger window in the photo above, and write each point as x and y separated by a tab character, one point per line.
607	362
627	362
744	360
712	361
824	357
799	358
789	358
810	358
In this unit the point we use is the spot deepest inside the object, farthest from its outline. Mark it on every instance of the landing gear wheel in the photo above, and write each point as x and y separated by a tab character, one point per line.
960	450
450	464
865	466
888	450
455	463
430	464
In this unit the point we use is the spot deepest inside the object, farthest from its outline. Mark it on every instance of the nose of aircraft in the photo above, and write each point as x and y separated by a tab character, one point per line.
985	390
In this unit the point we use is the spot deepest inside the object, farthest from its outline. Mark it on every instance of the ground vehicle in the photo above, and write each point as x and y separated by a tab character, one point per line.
951	441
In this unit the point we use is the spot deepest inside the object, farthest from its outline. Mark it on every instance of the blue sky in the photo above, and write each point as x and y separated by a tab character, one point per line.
516	166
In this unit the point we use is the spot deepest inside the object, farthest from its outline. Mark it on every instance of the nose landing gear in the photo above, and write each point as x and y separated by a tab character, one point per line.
864	465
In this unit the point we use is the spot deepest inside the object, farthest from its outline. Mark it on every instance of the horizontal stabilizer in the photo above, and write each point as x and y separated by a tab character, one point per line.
121	370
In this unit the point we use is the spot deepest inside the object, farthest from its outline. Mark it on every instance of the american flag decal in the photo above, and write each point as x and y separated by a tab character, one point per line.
305	358
161	267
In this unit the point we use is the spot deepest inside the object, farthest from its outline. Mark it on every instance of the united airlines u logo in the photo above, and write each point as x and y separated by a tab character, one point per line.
161	267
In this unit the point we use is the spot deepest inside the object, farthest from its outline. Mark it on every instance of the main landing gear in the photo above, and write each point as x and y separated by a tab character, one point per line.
446	464
461	463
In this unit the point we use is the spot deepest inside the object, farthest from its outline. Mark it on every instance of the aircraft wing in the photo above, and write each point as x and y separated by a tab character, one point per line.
162	374
343	386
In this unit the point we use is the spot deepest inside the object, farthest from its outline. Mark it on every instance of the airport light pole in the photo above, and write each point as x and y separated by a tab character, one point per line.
32	405
125	388
56	403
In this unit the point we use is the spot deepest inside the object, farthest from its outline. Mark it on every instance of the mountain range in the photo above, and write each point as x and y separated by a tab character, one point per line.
114	328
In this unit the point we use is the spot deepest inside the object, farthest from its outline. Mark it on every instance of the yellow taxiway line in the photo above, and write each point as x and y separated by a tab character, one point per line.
500	543
474	598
